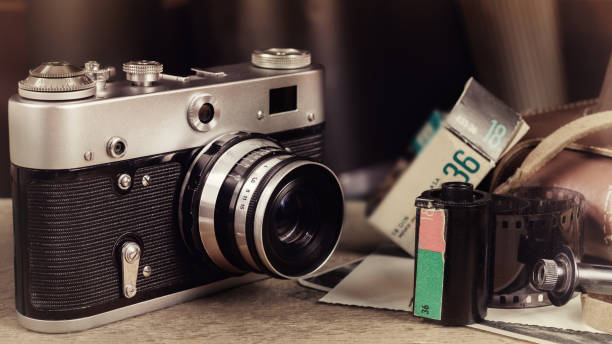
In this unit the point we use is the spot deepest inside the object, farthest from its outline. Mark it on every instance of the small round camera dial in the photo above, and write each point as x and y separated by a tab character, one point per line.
116	147
143	72
203	112
280	58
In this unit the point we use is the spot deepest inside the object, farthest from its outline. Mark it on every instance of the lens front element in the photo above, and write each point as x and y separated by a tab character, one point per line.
294	210
299	234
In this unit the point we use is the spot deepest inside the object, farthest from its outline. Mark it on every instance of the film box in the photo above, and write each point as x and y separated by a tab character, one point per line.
477	132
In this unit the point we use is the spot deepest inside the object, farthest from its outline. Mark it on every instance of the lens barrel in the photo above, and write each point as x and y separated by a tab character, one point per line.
248	205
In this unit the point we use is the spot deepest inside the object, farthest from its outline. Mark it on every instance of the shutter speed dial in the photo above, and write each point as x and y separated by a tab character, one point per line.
56	80
280	58
143	72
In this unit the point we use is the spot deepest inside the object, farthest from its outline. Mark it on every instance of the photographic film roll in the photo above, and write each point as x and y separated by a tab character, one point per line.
475	249
454	260
545	219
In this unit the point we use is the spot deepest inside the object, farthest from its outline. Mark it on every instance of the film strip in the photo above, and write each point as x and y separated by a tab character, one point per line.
530	224
469	243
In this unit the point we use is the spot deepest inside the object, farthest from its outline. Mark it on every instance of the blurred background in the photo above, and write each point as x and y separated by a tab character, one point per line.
388	63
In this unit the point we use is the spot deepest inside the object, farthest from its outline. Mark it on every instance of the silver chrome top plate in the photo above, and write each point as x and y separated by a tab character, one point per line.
153	120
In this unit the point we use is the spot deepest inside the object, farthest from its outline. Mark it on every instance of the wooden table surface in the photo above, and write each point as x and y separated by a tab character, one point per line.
263	312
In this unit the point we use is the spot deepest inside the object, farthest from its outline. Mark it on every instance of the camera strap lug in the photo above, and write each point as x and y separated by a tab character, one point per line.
130	258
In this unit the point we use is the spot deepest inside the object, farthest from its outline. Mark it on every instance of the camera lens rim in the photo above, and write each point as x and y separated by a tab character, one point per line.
332	204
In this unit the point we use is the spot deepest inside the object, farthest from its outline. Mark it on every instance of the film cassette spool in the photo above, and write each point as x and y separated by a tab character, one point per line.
474	249
453	260
547	218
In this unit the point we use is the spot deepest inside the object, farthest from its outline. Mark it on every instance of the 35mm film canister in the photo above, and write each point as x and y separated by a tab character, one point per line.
454	258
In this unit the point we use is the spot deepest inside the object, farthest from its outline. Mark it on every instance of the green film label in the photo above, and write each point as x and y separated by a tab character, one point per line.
429	284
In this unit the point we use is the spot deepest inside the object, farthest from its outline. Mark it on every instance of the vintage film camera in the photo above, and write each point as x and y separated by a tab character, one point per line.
133	195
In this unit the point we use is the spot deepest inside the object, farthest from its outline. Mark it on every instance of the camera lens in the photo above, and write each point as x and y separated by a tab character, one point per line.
298	218
206	113
249	205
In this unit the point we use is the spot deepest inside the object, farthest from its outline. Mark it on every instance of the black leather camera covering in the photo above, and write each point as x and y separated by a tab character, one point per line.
68	225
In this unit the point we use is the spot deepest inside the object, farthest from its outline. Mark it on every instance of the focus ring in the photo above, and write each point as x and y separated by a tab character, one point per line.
201	189
252	209
244	207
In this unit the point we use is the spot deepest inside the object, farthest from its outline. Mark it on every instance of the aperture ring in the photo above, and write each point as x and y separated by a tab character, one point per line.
191	189
210	193
242	205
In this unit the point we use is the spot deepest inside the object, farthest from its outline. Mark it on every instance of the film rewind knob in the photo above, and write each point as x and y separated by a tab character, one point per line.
563	275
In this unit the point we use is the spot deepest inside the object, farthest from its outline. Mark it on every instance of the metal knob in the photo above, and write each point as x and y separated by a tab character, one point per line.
124	182
570	276
559	277
545	274
92	66
98	73
56	80
281	58
143	72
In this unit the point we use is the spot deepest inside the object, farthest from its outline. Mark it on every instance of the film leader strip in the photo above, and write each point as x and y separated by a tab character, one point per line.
530	222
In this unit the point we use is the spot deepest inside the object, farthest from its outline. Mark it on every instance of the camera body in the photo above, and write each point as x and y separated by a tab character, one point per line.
110	190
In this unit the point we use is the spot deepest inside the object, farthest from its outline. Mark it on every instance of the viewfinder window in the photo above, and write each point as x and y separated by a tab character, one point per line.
283	99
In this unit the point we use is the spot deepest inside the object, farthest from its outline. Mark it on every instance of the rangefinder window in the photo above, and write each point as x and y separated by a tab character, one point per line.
283	99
